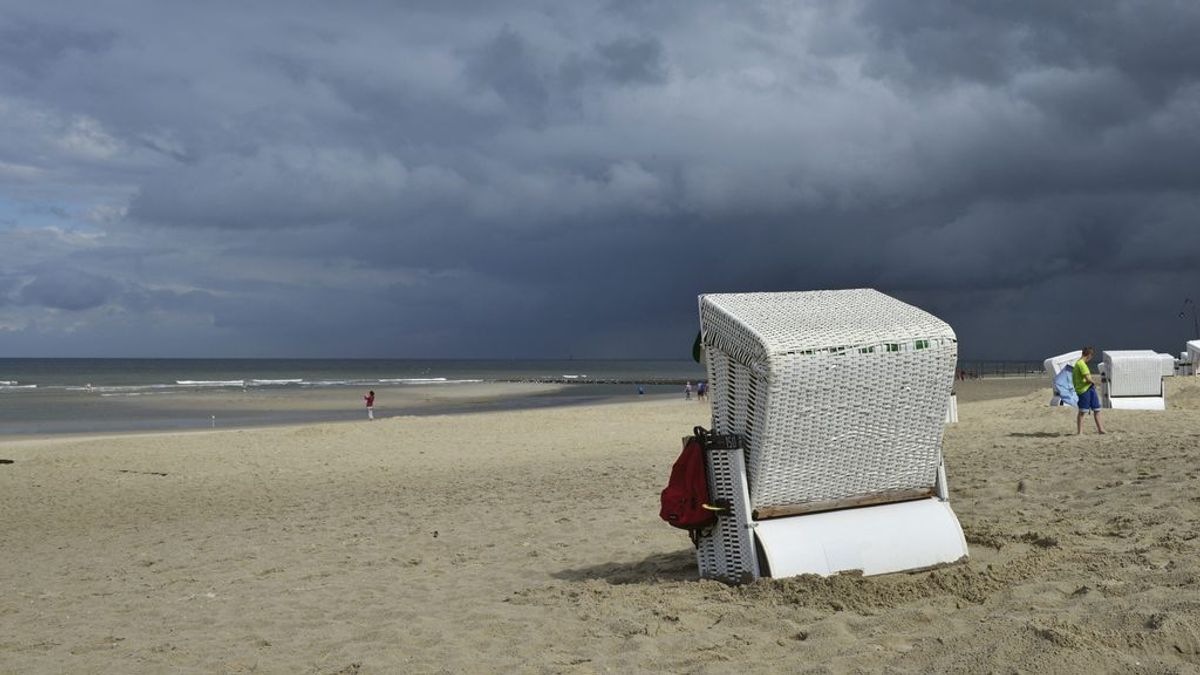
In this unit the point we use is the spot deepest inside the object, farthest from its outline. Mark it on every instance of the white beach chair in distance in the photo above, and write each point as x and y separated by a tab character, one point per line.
1054	366
1193	356
1133	379
839	399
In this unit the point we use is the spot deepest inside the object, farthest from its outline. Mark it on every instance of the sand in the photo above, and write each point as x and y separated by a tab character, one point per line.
529	541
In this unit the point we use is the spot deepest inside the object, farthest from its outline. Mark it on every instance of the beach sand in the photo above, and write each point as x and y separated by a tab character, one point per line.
529	541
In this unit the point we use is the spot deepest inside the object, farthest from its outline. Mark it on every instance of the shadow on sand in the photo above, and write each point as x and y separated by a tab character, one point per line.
656	569
1038	434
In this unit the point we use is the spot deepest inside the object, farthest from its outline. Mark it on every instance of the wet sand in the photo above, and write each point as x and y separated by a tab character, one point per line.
55	412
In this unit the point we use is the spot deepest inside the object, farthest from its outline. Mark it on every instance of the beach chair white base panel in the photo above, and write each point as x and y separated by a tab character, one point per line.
1107	400
895	537
902	536
952	410
1136	403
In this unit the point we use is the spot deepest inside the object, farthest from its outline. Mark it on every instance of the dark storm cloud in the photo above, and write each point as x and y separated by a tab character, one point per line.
632	59
29	50
543	179
504	64
936	41
68	289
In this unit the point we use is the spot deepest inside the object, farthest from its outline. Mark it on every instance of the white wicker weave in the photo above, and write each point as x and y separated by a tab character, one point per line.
838	394
1134	372
1167	362
727	551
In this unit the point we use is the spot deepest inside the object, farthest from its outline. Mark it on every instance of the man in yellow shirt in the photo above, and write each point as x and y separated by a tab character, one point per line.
1085	386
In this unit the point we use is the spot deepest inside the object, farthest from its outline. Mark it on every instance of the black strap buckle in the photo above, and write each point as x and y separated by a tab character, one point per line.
711	441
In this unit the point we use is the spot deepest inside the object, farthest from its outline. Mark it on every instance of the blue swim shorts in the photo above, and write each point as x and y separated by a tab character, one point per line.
1089	400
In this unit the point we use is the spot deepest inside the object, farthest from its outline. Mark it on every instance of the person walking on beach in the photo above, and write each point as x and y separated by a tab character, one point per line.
701	390
370	399
687	391
1085	386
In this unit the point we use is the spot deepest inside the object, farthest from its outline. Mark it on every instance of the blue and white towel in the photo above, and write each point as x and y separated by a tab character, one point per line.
1064	386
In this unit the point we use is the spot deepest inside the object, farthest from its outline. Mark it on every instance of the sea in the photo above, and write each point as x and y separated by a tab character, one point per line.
79	396
56	396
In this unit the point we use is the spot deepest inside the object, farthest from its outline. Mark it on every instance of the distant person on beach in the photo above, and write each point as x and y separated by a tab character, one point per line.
641	390
370	399
687	391
701	390
1085	386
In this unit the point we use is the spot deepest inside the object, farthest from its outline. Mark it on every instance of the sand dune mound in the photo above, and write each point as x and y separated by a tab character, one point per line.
1183	393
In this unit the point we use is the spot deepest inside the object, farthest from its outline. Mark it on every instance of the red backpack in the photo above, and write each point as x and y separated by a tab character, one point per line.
685	500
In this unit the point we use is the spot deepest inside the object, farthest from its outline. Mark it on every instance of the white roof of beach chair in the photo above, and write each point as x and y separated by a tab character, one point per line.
837	393
782	323
1054	364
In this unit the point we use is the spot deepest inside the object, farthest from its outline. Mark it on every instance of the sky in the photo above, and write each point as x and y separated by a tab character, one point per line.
547	179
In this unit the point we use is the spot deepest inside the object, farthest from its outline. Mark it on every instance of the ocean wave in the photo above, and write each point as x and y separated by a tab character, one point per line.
121	388
426	380
573	377
412	380
338	383
183	385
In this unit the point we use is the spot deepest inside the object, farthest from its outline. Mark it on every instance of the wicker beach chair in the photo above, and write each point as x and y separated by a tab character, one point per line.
1133	379
1193	357
1054	366
839	400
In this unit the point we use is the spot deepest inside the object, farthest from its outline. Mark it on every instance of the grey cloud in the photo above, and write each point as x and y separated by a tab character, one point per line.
633	60
1100	98
144	300
506	65
941	40
277	187
8	284
68	289
29	49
